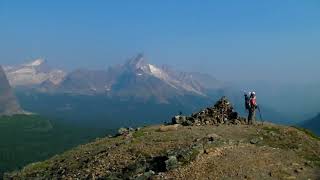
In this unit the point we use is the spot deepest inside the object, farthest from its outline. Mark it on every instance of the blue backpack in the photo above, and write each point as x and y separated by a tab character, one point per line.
247	101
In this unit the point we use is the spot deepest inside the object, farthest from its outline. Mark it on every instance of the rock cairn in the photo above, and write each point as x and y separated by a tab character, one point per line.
221	113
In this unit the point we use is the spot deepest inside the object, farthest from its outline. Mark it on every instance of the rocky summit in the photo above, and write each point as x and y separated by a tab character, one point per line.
221	113
202	150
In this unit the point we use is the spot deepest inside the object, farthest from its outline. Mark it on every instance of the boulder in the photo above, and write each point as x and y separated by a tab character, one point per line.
164	128
256	140
171	163
126	131
123	131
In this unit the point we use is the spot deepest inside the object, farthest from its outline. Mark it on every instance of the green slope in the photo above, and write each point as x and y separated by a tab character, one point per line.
194	152
29	138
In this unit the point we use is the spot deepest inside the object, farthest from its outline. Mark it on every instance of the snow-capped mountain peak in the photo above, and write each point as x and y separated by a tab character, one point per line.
139	66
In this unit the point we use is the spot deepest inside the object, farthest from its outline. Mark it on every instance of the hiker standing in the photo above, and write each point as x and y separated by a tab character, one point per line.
252	108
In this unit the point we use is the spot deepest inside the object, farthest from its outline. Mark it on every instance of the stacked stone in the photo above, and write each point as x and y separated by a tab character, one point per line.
221	113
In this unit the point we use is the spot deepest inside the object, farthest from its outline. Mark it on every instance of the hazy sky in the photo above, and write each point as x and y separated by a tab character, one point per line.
233	40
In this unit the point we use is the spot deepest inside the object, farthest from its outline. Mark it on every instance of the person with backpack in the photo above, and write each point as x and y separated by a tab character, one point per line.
252	108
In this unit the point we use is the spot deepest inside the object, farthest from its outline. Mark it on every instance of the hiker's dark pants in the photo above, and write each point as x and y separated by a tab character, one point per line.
251	116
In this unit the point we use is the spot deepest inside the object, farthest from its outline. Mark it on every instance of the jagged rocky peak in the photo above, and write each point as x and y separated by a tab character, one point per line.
8	102
140	65
3	81
138	62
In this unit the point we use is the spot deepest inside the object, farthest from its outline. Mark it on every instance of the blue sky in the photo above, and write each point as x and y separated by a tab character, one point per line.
274	40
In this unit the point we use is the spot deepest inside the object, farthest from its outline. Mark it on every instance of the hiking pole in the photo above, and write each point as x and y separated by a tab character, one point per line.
260	115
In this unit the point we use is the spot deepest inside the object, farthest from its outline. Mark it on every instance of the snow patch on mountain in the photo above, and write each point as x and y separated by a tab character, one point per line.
157	72
36	62
174	81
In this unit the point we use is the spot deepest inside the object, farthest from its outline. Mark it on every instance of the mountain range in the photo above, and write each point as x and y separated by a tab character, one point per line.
149	93
145	91
134	79
8	102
